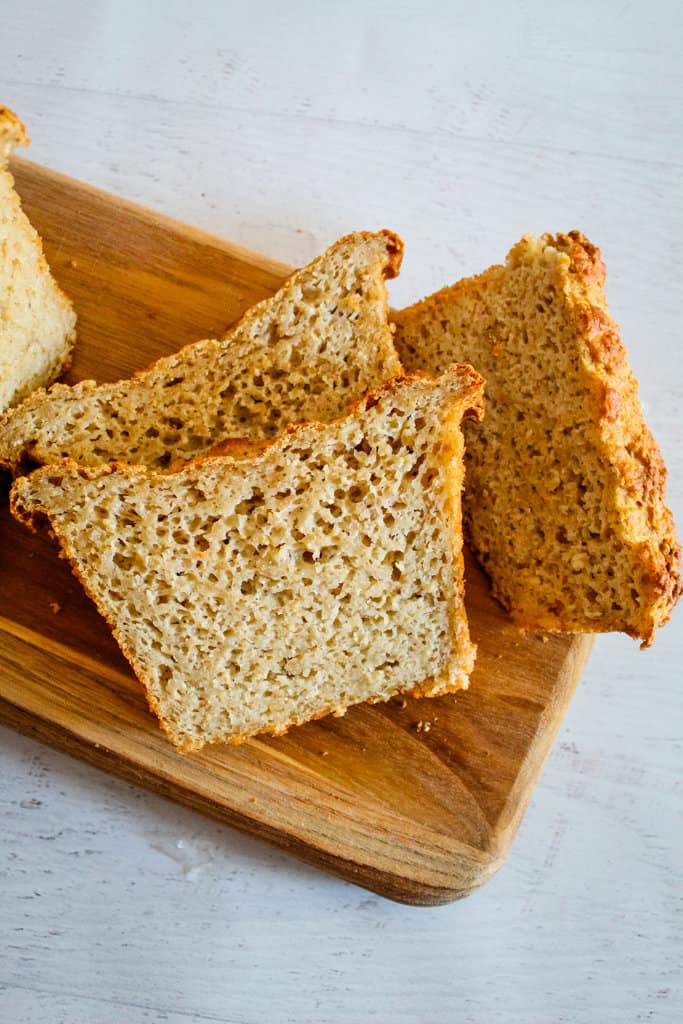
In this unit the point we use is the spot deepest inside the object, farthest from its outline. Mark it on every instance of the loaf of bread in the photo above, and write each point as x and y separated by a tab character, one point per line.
564	502
320	342
254	593
37	321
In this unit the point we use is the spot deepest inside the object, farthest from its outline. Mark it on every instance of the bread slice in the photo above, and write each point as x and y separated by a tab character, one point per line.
37	321
564	502
320	342
252	594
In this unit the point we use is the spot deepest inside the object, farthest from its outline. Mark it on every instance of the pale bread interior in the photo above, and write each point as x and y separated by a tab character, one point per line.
322	341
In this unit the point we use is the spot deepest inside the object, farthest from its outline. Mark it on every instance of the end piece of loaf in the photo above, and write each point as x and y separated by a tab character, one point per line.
322	341
252	594
12	134
37	321
564	501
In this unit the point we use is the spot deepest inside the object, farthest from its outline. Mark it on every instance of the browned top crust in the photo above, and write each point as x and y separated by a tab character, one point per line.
395	249
627	443
12	134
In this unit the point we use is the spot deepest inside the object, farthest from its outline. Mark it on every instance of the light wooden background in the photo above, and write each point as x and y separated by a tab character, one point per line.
281	126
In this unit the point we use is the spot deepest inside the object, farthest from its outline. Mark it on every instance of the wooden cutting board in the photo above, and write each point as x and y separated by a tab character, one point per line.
417	800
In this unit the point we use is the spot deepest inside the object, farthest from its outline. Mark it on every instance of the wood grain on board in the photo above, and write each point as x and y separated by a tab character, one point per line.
417	800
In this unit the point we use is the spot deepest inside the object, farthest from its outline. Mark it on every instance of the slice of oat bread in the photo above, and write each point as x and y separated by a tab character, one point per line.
564	502
252	594
322	341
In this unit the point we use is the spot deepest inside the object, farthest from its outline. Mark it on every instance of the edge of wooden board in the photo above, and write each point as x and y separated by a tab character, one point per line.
455	872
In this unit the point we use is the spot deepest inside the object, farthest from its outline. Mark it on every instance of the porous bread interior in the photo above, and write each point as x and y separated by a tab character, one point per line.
564	489
321	342
253	595
37	321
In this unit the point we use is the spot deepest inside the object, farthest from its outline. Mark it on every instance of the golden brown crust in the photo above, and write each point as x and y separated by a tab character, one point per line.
12	133
395	249
624	440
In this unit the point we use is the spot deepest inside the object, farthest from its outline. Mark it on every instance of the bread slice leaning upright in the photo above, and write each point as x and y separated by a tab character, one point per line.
252	594
322	341
37	321
564	501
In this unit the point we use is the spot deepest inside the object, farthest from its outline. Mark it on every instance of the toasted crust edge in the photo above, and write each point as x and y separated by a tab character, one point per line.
624	440
12	133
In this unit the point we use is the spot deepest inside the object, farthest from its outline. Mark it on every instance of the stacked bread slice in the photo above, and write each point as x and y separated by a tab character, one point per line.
257	593
37	321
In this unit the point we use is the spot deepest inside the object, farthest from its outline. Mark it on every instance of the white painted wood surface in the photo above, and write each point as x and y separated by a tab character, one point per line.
281	126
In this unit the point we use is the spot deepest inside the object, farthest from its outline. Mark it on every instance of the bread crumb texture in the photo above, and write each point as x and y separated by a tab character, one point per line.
252	594
564	501
318	344
37	321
